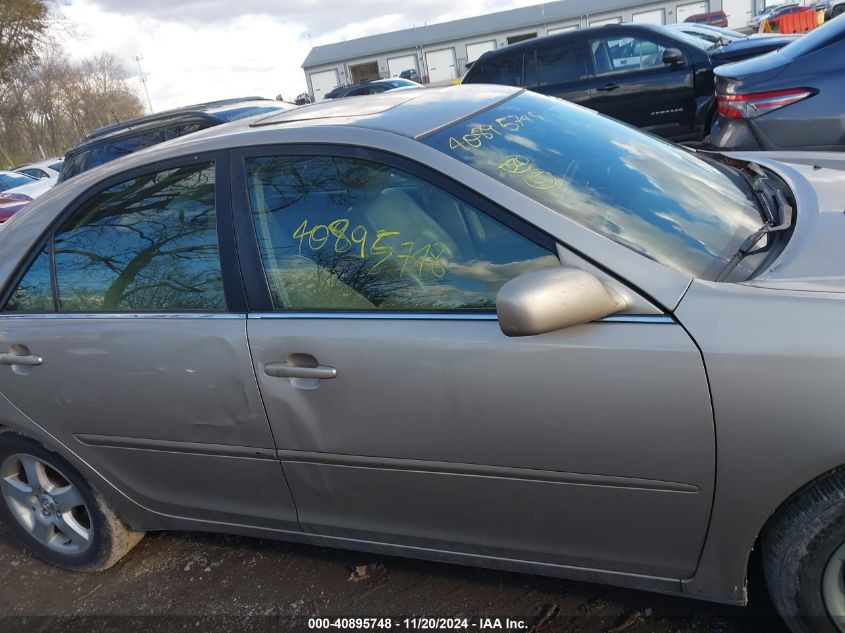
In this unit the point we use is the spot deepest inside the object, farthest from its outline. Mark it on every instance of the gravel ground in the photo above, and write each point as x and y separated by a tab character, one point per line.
210	583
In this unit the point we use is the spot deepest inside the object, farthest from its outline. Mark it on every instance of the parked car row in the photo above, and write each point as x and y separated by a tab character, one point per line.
657	78
121	139
371	87
25	183
690	82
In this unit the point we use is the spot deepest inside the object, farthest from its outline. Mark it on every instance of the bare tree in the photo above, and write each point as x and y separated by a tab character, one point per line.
52	104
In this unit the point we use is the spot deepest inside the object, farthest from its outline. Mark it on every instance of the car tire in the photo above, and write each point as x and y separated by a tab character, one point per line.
57	516
804	557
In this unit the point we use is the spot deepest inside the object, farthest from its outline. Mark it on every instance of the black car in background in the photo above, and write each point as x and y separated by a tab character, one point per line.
119	139
372	87
793	98
650	76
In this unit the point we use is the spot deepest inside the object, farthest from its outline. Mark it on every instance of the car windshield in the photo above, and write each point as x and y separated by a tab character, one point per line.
828	33
654	197
8	181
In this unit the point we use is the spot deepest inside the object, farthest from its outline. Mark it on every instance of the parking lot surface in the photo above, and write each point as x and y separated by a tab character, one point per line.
210	583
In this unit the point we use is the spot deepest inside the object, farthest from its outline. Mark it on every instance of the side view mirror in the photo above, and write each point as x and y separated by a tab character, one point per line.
553	298
674	57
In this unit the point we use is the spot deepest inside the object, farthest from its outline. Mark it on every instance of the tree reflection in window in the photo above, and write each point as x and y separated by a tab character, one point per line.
352	234
148	244
34	292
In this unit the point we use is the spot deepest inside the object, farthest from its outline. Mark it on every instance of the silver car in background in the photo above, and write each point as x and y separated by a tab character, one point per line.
470	324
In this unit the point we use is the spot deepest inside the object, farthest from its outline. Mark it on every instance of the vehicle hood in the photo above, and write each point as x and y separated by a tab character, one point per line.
814	258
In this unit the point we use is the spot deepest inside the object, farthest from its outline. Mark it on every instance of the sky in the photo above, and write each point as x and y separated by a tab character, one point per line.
200	50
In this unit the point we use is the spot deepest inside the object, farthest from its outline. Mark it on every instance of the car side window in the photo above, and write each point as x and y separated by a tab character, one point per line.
130	144
76	165
553	64
35	290
615	54
342	233
505	69
146	244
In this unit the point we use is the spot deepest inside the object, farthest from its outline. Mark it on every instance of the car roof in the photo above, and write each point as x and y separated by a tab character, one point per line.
167	115
410	113
591	31
42	163
179	116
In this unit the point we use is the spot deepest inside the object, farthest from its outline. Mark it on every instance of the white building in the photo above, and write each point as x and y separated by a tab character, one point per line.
439	53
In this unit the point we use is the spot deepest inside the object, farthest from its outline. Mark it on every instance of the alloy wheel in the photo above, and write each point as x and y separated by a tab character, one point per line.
46	503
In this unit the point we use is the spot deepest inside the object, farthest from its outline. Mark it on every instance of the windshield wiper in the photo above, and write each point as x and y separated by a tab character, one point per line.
785	210
757	183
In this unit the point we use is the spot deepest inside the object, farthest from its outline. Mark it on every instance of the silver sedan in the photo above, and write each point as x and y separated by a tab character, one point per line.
470	324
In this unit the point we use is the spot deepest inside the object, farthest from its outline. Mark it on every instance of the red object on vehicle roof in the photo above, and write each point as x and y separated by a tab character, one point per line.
713	18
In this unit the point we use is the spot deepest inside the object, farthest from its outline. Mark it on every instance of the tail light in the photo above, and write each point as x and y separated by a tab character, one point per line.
754	104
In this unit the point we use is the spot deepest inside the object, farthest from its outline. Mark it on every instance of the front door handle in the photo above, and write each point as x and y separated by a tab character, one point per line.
608	87
284	370
15	359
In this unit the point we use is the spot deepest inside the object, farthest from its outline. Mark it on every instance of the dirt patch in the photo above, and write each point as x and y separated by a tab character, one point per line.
210	583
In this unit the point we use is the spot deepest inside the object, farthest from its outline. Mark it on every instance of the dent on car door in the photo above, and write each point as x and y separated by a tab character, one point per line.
143	367
403	415
631	83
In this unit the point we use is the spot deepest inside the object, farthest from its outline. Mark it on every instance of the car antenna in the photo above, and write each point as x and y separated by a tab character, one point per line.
116	120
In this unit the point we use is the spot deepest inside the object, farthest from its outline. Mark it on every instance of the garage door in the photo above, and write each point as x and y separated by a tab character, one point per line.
562	29
476	50
694	8
397	64
649	17
738	12
441	65
602	22
323	82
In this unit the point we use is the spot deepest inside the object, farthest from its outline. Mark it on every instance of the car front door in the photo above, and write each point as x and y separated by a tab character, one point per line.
131	313
631	83
403	415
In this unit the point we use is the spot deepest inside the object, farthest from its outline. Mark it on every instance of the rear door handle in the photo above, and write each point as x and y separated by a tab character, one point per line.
19	359
283	370
608	87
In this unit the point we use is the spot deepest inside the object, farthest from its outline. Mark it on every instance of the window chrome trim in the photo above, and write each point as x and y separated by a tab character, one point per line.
123	315
396	316
441	316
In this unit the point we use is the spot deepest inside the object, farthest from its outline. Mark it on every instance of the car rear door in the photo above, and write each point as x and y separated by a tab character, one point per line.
403	415
124	337
631	83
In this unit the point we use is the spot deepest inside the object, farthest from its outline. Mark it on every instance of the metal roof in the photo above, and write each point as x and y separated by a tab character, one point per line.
510	20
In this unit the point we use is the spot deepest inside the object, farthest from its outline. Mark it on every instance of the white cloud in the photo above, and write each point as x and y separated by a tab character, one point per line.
199	50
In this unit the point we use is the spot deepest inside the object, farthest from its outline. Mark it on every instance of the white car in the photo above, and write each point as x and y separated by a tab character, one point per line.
45	170
16	197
